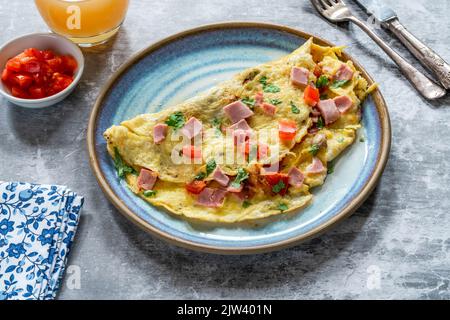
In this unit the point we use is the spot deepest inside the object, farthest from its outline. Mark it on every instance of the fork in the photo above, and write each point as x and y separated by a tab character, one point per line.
337	11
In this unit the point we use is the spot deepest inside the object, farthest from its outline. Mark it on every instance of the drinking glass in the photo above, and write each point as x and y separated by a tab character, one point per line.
85	22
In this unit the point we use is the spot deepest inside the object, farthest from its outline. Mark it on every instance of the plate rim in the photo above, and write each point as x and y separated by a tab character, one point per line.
349	209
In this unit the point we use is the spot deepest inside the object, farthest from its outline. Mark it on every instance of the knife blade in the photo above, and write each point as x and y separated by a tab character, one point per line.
377	9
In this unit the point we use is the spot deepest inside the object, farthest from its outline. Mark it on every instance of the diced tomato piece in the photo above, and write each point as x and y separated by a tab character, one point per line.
55	64
192	152
196	186
35	74
36	92
18	92
311	95
38	78
48	54
317	71
6	75
287	129
280	180
24	81
61	81
13	65
69	64
33	52
30	64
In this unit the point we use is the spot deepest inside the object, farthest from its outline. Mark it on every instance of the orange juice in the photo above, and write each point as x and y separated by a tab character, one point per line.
86	22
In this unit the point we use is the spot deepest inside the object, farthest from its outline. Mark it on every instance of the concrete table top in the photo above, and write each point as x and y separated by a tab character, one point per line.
397	245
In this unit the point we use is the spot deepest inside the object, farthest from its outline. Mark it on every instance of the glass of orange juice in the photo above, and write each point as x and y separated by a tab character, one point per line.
85	22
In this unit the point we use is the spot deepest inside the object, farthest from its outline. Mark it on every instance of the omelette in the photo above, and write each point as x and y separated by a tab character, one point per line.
249	148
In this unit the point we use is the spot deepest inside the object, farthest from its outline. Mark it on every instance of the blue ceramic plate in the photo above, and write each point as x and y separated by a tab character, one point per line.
185	64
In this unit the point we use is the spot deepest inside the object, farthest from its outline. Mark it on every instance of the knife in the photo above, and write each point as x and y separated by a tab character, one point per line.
389	20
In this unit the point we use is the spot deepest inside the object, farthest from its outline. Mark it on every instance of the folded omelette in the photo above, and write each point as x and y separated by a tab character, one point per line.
249	148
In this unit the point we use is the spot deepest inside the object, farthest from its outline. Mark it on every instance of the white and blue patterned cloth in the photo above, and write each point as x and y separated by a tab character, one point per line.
37	226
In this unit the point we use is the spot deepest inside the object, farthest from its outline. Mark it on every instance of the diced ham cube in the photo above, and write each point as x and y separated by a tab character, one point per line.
192	128
343	103
344	73
237	111
211	197
316	166
328	110
299	76
241	125
239	196
147	179
220	177
268	170
159	132
327	69
259	99
296	177
269	109
319	139
241	137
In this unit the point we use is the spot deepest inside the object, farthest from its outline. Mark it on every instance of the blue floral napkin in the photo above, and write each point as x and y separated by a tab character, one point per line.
37	226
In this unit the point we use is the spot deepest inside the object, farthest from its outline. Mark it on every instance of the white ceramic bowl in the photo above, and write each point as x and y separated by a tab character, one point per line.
41	41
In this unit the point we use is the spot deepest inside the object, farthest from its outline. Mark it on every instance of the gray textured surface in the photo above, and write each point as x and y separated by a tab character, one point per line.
401	232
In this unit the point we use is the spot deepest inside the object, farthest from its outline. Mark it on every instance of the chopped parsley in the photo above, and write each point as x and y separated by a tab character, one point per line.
314	149
122	168
216	122
282	207
338	83
263	81
249	102
200	176
278	187
246	204
320	124
149	193
275	102
271	88
210	166
240	177
176	120
330	169
322	81
294	108
268	87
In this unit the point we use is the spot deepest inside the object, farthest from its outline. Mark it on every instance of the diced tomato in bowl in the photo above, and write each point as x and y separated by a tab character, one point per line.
36	74
29	75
